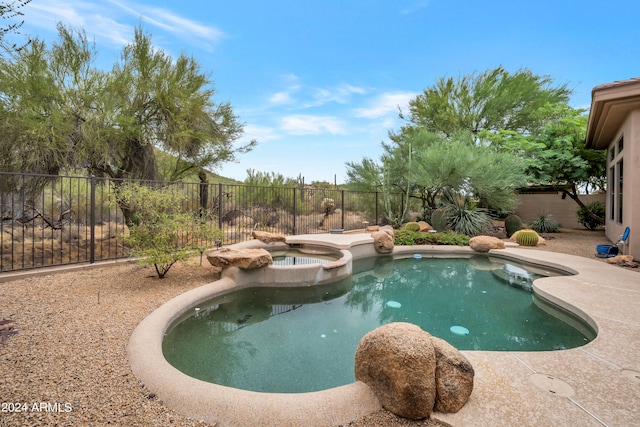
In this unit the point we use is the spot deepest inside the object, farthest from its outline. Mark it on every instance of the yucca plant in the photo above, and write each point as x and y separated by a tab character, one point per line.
464	217
545	223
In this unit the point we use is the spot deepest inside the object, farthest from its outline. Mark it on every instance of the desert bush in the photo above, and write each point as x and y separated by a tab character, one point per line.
405	237
589	223
164	233
545	223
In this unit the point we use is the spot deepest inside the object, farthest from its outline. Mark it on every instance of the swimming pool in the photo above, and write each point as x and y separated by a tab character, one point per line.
304	339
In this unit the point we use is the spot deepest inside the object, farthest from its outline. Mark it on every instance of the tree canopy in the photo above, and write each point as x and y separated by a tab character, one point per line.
484	135
60	112
493	100
557	154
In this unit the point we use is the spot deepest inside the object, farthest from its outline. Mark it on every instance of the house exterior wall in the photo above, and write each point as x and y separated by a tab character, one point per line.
630	130
563	210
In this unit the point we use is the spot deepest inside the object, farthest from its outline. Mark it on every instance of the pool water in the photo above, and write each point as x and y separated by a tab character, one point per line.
302	340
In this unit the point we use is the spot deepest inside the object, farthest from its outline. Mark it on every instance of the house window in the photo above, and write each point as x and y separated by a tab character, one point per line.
614	181
621	144
612	192
619	176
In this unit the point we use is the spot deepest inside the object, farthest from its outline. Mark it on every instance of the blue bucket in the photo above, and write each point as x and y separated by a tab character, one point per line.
607	250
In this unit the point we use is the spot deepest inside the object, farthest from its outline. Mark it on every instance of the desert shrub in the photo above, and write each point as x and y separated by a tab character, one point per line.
404	237
589	223
164	232
545	223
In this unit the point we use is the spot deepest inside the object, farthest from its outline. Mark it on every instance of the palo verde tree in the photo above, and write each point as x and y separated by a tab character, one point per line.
492	101
59	112
157	101
9	11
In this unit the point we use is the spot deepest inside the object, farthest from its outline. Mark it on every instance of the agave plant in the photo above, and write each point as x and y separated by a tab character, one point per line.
545	223
464	217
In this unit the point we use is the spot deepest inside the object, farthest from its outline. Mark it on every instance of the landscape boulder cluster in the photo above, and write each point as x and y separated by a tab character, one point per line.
413	373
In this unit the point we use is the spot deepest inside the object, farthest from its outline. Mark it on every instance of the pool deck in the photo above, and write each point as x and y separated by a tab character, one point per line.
594	385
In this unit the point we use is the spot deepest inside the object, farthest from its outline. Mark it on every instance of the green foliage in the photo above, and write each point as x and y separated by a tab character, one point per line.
438	220
164	232
412	226
527	237
491	101
58	111
420	165
464	217
544	223
557	154
404	237
512	223
590	223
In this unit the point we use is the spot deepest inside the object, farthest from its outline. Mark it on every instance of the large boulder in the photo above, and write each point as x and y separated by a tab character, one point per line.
454	377
485	243
383	239
266	237
398	362
245	258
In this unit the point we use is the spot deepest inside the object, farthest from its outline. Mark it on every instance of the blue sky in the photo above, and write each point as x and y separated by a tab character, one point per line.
319	83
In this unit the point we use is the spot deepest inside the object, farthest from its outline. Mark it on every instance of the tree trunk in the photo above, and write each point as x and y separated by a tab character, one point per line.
574	195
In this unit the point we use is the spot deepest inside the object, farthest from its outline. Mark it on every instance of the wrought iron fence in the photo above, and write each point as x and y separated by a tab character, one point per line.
49	220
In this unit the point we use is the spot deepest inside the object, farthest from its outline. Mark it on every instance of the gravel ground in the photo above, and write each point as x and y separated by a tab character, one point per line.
67	363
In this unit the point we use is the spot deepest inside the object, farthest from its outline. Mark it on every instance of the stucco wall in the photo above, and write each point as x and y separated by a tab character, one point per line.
631	206
562	210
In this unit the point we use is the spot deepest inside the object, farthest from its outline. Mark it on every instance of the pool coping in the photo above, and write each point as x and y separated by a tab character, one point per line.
600	376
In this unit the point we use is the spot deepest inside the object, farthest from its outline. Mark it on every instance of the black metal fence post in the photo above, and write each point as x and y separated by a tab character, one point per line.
343	209
295	210
92	221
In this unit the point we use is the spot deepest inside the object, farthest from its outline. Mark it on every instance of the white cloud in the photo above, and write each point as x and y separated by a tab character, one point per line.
259	133
97	21
301	124
340	94
385	105
205	35
281	98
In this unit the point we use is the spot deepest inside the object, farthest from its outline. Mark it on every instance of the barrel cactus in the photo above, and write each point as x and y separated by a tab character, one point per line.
412	226
512	223
527	237
438	221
